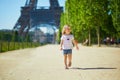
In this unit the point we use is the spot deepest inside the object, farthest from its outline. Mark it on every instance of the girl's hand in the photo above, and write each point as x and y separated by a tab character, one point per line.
77	47
75	43
61	48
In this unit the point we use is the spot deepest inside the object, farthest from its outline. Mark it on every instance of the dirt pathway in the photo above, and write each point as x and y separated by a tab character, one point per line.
46	63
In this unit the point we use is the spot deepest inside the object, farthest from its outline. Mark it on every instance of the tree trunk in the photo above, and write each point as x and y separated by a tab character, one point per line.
89	37
0	46
98	36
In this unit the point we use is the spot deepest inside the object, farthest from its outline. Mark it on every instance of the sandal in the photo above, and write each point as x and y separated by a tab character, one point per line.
66	68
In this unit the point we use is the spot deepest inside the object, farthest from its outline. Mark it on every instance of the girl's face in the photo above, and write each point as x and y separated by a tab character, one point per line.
67	30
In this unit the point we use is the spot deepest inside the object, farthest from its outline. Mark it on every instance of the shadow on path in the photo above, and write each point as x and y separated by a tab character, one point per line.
97	68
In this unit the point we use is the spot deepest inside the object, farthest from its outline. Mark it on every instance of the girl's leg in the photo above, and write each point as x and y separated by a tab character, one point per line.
70	59
65	61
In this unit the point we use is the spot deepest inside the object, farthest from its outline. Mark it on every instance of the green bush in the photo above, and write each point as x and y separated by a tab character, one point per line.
8	46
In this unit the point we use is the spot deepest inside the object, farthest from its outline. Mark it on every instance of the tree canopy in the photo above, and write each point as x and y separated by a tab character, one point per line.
92	19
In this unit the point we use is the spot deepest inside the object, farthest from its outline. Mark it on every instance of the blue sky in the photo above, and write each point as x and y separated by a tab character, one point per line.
10	11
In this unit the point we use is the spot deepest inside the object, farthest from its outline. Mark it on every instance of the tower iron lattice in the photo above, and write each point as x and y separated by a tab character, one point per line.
32	15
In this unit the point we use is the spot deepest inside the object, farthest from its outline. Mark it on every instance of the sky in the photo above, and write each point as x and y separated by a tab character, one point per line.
10	11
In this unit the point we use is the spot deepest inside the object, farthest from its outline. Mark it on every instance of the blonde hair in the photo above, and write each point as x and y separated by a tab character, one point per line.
64	28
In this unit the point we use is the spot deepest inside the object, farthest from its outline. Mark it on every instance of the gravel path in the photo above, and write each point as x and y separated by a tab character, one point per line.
46	63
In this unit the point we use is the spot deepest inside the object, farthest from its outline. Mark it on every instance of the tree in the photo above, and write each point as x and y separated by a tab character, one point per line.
86	16
115	13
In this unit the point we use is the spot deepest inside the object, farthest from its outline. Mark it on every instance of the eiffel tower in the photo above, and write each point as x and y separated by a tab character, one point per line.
32	15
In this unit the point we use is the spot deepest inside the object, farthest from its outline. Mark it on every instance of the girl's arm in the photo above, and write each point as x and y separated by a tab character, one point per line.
76	44
61	43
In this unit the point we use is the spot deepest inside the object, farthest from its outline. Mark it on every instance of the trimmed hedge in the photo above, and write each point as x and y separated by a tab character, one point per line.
8	46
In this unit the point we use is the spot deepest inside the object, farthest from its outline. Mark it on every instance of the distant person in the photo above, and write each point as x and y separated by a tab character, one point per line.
104	41
108	40
66	45
112	41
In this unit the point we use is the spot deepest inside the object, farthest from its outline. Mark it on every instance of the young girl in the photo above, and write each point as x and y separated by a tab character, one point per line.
66	45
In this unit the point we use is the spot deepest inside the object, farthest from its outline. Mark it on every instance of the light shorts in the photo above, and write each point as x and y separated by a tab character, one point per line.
67	51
